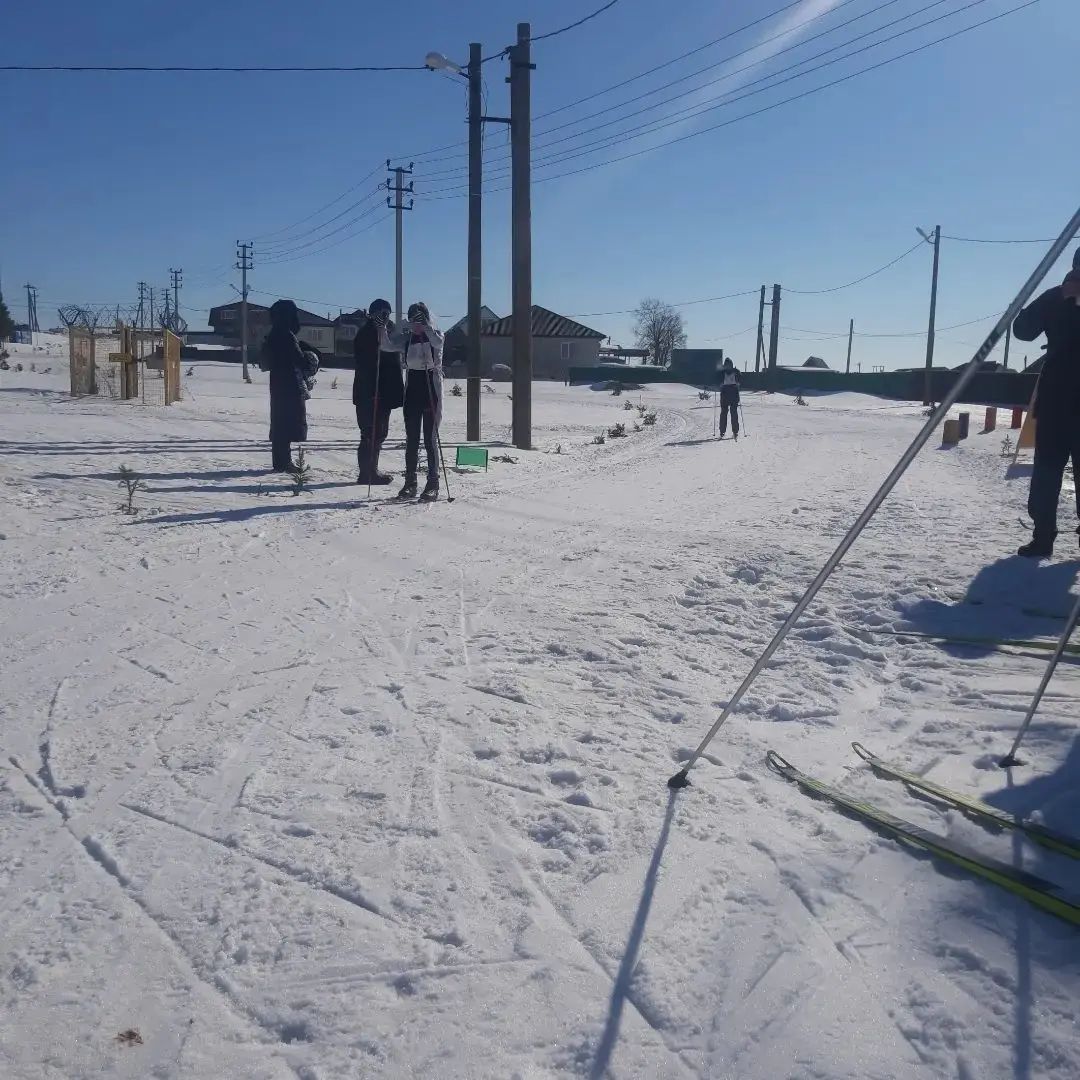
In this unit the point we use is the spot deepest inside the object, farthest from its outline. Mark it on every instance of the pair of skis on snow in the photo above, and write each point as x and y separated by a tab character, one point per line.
1037	891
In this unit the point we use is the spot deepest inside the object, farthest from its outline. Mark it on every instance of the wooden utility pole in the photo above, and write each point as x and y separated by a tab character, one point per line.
928	388
245	256
1008	343
759	353
850	335
397	204
521	234
774	338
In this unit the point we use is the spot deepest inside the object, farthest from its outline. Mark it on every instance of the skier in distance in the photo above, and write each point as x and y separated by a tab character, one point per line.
1055	313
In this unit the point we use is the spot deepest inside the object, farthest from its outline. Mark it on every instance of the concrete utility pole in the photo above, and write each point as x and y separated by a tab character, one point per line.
151	309
475	268
245	257
928	388
177	280
521	233
759	353
774	337
850	335
399	191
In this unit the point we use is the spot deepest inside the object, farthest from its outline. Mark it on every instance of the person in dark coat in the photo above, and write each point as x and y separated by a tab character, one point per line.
292	368
729	398
378	389
1056	313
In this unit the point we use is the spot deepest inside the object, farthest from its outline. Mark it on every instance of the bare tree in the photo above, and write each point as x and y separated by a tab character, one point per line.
659	328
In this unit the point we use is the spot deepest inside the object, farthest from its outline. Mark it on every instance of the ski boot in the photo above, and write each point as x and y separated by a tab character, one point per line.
408	491
430	492
378	479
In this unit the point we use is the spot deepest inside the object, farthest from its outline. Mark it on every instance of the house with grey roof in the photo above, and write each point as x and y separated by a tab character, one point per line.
558	344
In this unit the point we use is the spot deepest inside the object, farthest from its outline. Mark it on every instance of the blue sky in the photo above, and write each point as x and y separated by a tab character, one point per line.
108	179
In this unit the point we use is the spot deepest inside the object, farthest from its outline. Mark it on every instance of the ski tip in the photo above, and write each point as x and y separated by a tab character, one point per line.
861	751
680	780
775	761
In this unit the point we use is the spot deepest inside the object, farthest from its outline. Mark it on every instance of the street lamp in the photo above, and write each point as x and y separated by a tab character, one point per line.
435	61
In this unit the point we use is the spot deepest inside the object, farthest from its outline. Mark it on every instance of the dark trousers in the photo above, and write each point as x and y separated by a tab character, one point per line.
281	452
371	438
1056	440
727	407
420	403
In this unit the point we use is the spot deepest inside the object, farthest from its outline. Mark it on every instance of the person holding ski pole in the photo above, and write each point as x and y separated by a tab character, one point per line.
1056	313
377	389
729	398
422	346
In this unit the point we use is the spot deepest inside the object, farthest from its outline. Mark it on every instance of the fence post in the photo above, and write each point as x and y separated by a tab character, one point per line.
991	421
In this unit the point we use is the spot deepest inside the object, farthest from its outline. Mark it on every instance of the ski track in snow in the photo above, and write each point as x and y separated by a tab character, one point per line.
314	787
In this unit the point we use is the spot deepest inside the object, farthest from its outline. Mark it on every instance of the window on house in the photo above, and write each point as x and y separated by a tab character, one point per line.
566	350
227	315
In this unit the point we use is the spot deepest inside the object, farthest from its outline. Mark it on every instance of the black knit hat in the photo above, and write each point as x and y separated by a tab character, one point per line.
283	314
379	305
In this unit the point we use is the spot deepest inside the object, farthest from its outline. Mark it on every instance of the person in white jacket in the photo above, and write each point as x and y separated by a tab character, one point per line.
421	345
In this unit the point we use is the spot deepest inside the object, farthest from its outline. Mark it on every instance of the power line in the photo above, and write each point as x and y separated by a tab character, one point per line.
668	63
574	25
202	68
675	119
616	86
979	240
857	281
681	303
888	333
749	67
728	75
332	202
288	245
766	108
333	243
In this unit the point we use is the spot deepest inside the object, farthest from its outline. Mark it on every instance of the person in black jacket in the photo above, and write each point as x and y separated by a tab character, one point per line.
1056	313
729	397
292	370
377	389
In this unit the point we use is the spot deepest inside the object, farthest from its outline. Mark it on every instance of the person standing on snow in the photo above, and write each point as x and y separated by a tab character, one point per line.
729	397
377	389
292	377
422	346
1056	313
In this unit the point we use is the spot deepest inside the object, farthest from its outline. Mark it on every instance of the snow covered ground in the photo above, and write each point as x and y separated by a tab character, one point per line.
315	787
